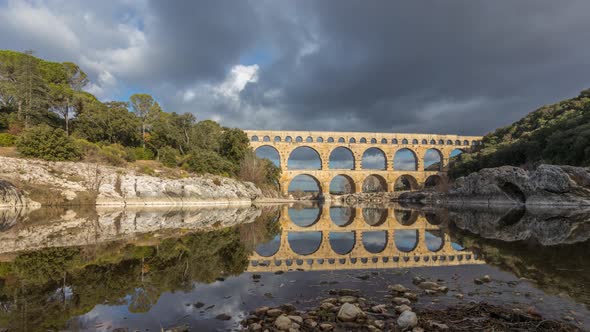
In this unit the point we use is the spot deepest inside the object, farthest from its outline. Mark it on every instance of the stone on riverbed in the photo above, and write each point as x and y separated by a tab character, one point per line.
349	313
407	320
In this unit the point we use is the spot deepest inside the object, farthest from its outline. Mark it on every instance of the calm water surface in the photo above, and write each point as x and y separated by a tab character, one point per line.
148	269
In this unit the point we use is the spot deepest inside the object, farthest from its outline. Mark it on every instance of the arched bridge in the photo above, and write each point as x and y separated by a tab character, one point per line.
325	248
356	144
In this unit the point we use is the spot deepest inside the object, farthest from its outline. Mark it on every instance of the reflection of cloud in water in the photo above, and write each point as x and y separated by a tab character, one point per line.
342	242
303	217
375	241
269	248
433	240
304	243
405	239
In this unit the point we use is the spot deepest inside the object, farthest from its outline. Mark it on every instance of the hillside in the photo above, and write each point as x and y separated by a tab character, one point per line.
553	134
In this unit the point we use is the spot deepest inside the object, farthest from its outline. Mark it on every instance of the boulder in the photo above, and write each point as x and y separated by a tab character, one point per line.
349	313
407	320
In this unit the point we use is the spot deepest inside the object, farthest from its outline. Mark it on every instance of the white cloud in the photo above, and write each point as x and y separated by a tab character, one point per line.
237	80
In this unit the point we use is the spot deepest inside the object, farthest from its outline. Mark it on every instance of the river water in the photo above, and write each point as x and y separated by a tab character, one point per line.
147	269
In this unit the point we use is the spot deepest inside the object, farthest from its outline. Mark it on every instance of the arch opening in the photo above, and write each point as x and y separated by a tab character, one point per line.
405	183
405	240
304	215
269	248
342	215
405	160
270	153
304	157
405	217
374	216
305	185
432	160
375	241
341	158
341	185
374	158
434	182
342	243
434	240
304	243
374	183
254	138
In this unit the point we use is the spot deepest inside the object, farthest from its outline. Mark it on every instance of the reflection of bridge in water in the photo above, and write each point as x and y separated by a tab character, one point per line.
393	224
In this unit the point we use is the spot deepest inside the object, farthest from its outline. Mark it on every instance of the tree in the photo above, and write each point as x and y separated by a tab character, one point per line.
109	123
47	143
234	145
30	89
145	108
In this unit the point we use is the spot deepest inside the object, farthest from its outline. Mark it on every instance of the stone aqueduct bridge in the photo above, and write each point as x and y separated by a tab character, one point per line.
359	257
324	143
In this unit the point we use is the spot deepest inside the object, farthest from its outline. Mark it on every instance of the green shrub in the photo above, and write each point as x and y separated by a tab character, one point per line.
47	143
205	161
113	154
169	156
7	139
139	153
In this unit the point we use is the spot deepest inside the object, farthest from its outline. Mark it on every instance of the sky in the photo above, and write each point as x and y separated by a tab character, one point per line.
460	67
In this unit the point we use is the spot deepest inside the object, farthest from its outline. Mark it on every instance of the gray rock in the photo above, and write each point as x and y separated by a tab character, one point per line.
274	312
402	308
401	300
407	320
398	288
283	323
349	313
348	299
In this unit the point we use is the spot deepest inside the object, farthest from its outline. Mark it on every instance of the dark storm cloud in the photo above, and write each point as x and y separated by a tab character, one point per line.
462	67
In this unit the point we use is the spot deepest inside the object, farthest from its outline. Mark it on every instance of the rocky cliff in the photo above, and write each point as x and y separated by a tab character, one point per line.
69	182
508	185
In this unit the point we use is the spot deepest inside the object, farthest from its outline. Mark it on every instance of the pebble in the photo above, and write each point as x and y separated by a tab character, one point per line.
407	320
417	329
326	306
398	288
255	327
326	327
348	299
380	308
261	310
283	323
439	326
417	280
311	323
428	285
349	312
274	312
379	324
459	296
411	296
486	278
401	308
401	300
296	319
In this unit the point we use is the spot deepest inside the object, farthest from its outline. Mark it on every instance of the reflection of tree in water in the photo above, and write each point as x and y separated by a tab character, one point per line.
374	216
405	217
373	184
110	273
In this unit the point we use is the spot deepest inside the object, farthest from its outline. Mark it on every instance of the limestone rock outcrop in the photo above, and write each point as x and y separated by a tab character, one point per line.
119	186
12	197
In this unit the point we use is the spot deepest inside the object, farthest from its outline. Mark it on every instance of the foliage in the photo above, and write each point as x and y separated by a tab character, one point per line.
204	161
47	143
139	153
7	139
234	145
106	123
168	156
555	134
259	171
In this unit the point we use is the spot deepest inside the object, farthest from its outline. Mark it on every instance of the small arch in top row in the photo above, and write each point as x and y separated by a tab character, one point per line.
363	140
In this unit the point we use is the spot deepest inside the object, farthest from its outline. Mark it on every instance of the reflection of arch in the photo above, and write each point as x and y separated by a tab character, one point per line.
405	183
304	154
265	151
304	243
374	216
405	160
349	187
374	183
434	240
270	248
406	217
433	160
433	218
342	243
374	241
303	216
342	216
379	159
346	156
405	240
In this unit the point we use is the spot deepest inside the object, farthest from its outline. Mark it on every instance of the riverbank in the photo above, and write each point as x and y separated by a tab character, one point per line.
34	183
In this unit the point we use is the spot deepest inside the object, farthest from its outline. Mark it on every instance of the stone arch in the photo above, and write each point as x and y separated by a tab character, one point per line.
342	184
457	142
320	140
277	138
374	216
309	139
305	185
434	239
304	243
374	158
433	160
405	217
341	158
449	142
404	141
375	241
405	182
269	152
341	140
304	215
383	141
254	138
330	139
435	182
465	142
441	142
394	141
414	141
304	154
424	141
363	140
342	243
406	240
298	139
374	183
266	139
288	139
405	160
342	216
373	141
432	142
352	140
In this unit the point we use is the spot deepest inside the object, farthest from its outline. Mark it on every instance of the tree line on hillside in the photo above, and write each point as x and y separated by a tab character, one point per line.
553	134
45	113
